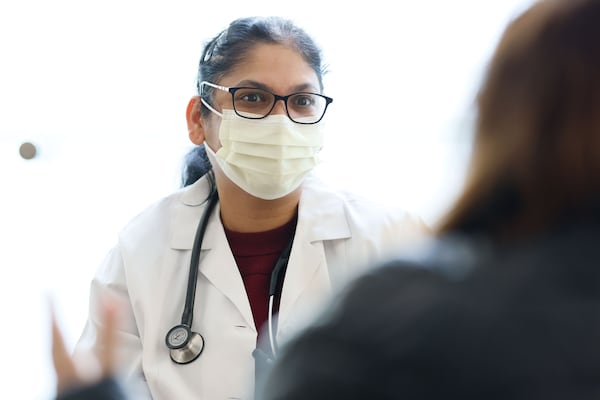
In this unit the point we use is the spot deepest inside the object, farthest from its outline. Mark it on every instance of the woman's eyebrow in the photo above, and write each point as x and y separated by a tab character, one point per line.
259	85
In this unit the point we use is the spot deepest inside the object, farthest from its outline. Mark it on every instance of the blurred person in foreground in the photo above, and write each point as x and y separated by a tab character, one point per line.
505	303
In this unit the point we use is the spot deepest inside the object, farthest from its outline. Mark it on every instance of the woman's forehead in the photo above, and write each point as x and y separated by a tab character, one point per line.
278	68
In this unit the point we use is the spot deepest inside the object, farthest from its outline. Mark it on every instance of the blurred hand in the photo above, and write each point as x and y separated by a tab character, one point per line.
68	374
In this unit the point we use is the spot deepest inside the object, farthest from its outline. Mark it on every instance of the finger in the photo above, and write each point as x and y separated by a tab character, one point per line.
107	337
64	366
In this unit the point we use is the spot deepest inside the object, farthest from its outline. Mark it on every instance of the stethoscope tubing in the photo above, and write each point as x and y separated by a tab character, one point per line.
190	348
188	310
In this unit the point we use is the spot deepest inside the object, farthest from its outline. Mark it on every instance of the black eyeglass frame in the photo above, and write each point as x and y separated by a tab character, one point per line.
232	90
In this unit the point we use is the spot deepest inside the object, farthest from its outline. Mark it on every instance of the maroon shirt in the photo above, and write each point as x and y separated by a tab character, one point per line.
256	254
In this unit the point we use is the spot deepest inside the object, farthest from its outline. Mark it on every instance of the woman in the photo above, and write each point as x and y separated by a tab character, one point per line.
505	305
258	116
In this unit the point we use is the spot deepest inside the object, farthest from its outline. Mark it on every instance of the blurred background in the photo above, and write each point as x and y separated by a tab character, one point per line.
98	90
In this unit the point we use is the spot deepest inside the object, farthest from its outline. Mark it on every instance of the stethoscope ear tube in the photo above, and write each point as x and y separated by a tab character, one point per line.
280	267
277	277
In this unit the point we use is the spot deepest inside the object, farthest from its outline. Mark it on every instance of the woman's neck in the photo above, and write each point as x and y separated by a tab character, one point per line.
242	212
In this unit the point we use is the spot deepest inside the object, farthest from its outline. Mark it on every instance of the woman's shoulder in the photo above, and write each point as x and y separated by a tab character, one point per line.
356	206
160	213
360	211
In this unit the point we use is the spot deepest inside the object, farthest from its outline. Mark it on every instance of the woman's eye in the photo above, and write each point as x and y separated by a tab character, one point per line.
251	97
303	101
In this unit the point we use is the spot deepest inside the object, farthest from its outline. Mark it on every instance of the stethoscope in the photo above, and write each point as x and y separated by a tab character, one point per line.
186	345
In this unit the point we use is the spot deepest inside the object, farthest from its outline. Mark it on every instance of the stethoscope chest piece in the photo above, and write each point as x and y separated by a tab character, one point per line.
184	345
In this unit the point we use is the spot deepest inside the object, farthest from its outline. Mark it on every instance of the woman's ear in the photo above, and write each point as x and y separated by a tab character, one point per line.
195	123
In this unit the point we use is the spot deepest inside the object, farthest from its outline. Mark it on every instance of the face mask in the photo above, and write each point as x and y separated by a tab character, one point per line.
268	158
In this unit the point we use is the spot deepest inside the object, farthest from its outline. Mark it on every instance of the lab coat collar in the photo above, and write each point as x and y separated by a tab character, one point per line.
323	210
190	203
320	209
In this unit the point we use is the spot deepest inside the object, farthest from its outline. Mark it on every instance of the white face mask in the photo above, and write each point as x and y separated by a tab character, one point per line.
268	158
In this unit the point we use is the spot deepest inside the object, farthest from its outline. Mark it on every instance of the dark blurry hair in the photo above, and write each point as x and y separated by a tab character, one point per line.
536	159
229	49
499	329
195	166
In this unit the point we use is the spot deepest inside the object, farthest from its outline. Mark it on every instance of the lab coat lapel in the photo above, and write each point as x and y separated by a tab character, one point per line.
219	267
306	272
321	217
217	264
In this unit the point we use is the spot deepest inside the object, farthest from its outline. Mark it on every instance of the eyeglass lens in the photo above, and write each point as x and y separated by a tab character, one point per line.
257	103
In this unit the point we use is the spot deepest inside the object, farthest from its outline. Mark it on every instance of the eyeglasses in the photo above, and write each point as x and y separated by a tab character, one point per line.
254	103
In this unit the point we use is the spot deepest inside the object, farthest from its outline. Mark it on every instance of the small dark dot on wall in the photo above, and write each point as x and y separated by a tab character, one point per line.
27	150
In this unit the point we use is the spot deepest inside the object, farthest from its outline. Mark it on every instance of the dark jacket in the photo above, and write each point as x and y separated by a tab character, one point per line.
468	320
107	389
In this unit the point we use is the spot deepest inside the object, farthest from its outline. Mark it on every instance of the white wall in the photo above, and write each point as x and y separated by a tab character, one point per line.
101	88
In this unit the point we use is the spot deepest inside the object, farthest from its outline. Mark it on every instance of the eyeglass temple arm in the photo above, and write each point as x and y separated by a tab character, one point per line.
224	88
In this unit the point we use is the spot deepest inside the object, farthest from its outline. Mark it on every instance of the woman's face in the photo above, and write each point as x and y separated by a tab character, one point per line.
273	67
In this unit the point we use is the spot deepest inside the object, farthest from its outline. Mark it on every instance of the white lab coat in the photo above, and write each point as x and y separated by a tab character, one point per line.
337	235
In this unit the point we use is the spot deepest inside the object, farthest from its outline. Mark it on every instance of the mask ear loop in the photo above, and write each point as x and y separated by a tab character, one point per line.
210	107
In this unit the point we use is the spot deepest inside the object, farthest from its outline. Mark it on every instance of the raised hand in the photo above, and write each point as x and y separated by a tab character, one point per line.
69	375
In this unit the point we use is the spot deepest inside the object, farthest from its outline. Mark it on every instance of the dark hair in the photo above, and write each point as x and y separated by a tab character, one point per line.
536	159
195	165
230	48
